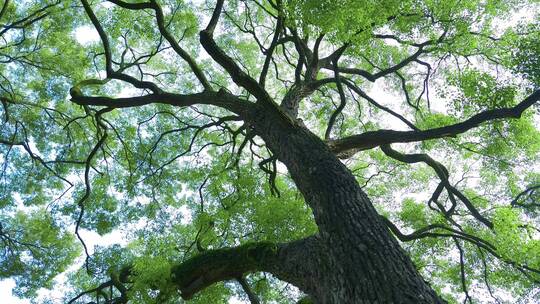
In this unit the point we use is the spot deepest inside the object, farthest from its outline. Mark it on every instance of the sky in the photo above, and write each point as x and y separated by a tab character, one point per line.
86	35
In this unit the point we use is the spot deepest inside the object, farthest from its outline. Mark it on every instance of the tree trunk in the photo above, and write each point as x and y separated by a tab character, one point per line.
361	261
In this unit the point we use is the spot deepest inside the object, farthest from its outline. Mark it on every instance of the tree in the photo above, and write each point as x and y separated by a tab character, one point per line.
139	132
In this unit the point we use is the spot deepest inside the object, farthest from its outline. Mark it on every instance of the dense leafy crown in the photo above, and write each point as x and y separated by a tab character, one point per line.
176	179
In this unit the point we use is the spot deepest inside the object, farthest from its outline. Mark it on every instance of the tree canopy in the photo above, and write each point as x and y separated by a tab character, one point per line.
235	144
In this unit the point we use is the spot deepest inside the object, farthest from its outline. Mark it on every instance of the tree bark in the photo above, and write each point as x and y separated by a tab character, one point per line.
294	262
353	259
360	261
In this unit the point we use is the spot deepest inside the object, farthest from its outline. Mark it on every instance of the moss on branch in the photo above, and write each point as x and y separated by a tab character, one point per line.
217	265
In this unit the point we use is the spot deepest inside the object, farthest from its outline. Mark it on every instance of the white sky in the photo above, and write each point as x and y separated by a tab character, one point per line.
86	35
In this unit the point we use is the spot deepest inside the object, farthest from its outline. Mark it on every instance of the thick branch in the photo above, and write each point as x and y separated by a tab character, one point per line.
133	6
176	47
102	36
290	262
372	139
239	77
160	20
221	99
111	73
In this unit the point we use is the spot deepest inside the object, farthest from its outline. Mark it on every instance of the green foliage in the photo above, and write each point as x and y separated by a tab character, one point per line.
514	239
526	53
173	182
153	272
413	214
38	250
480	91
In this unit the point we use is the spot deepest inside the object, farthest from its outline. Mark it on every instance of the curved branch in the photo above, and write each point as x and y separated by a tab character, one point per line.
221	99
462	272
529	191
176	47
111	73
30	19
239	77
290	262
270	51
253	298
160	20
4	9
430	231
99	288
373	77
433	230
372	139
342	103
442	173
102	36
358	91
81	203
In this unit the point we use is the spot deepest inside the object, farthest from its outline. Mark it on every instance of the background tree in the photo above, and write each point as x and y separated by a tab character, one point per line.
398	142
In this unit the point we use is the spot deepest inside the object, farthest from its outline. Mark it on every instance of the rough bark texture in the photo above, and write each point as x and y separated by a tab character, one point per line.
354	258
292	262
359	261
